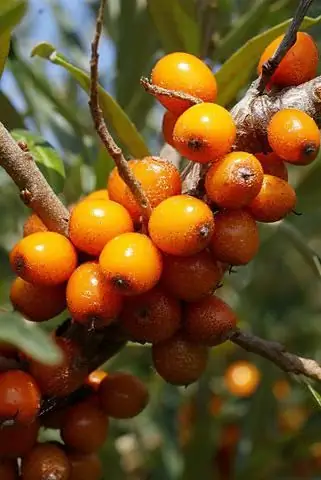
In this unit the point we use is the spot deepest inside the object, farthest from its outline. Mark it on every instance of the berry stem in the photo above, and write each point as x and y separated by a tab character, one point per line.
156	90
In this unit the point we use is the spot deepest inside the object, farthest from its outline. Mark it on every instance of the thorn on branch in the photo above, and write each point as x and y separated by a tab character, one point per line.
26	196
156	90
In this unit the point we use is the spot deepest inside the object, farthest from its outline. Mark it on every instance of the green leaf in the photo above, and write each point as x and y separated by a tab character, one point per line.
4	50
113	113
236	72
29	338
48	160
314	393
8	113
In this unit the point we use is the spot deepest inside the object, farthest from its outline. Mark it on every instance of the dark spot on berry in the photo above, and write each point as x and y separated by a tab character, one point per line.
195	144
121	283
19	264
143	314
204	231
310	149
246	174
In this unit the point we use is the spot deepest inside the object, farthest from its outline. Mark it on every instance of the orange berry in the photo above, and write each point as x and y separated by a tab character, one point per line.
236	237
275	200
123	395
242	378
158	177
191	278
294	136
281	389
90	299
44	258
179	361
204	133
33	224
18	439
36	302
181	225
151	317
185	73
9	469
168	124
97	195
45	461
298	66
273	165
131	263
234	181
85	428
208	321
95	378
85	467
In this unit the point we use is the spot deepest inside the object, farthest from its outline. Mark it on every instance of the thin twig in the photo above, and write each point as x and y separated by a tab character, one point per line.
156	90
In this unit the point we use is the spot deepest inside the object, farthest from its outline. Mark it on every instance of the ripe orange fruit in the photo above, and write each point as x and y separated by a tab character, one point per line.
18	439
209	321
275	200
44	258
185	73
168	124
131	263
36	302
181	225
191	278
101	194
236	237
9	469
242	378
45	461
123	395
33	224
151	317
294	136
298	66
281	389
90	299
95	378
234	181
204	133
273	165
94	222
85	428
85	467
158	177
179	361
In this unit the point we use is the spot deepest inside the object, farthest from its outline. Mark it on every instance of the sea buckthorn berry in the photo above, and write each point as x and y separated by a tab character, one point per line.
179	361
294	136
191	278
242	378
95	378
36	302
208	321
275	200
85	428
158	177
85	467
273	165
204	133
131	263
181	225
236	237
45	461
299	64
44	258
123	395
101	194
168	124
9	469
151	317
90	299
234	181
33	224
18	439
185	73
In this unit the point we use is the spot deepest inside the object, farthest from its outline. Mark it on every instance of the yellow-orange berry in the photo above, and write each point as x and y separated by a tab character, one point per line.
242	378
131	263
85	466
294	136
204	133
9	469
273	165
44	258
45	461
234	181
181	225
95	378
33	224
101	194
168	124
18	439
185	73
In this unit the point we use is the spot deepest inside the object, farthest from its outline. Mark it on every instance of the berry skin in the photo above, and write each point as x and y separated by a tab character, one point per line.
33	224
97	195
123	395
191	278
168	124
18	439
204	133
236	237
151	317
294	136
158	177
44	258
181	225
179	361
9	469
85	428
185	73
36	302
85	467
242	378
208	321
298	66
234	181
90	299
45	461
275	200
95	378
94	222
131	263
273	165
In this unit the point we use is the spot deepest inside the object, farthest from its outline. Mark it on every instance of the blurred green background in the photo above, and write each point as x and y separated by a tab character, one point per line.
204	431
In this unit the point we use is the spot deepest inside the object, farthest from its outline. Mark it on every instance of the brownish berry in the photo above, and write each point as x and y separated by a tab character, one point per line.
33	224
18	439
9	469
273	165
85	467
45	461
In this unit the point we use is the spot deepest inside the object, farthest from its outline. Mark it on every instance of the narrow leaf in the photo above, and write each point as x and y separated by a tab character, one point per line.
314	393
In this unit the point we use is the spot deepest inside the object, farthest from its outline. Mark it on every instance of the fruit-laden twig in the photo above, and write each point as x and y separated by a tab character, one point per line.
288	41
156	90
101	128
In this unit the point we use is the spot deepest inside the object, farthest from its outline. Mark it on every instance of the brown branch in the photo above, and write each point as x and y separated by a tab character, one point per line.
101	128
155	90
